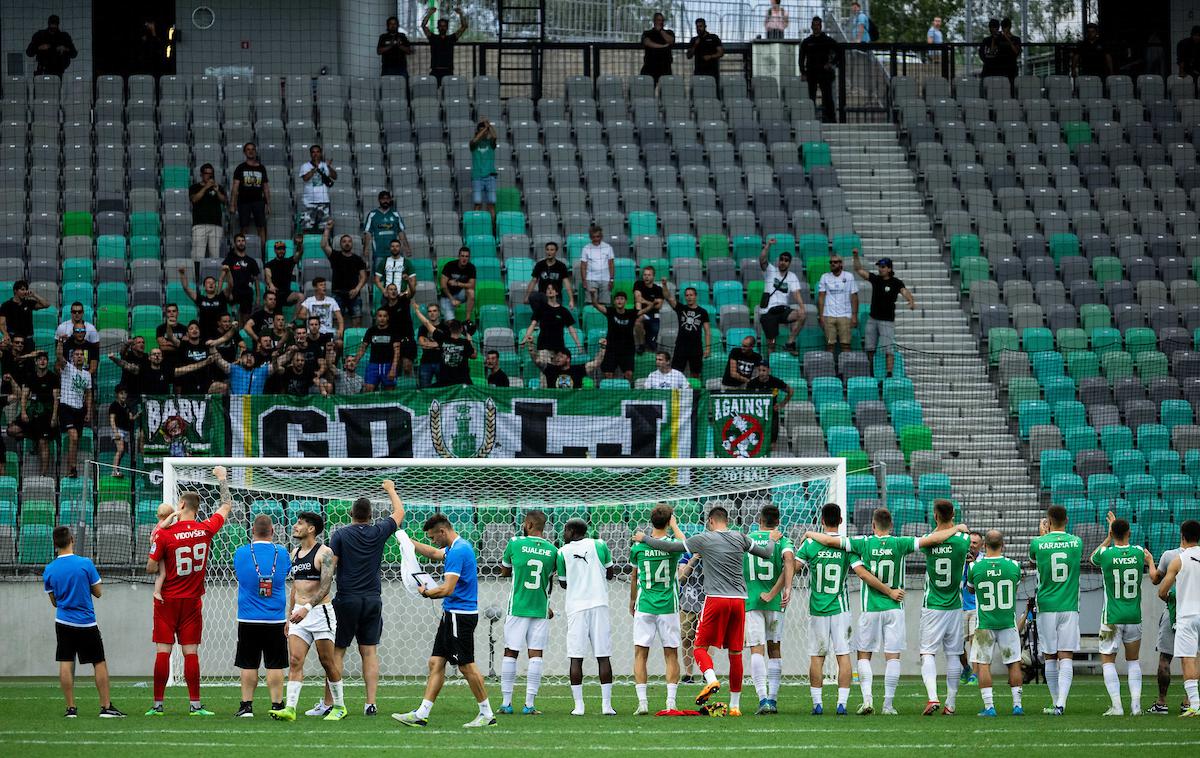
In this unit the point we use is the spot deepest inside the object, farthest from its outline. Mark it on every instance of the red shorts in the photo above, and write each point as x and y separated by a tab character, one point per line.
178	618
722	623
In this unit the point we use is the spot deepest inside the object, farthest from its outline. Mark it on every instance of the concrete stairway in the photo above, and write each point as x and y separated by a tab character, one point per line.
970	426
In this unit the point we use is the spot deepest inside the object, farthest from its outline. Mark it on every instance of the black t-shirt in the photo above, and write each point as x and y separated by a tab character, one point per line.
547	273
345	271
90	349
691	329
18	317
178	330
498	378
394	60
263	321
400	316
41	393
569	378
253	182
650	293
456	354
242	270
441	54
657	60
298	383
552	320
708	46
884	293
13	365
193	382
772	384
746	361
1092	58
282	273
123	416
819	56
154	381
380	342
209	311
314	349
131	379
620	330
208	209
457	276
1187	54
432	354
229	350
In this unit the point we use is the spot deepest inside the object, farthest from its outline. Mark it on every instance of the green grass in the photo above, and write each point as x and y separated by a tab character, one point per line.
31	724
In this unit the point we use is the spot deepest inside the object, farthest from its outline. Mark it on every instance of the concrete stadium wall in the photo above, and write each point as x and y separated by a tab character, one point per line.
27	626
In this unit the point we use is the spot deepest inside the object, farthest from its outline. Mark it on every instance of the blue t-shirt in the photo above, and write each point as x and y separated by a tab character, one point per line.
460	561
359	550
968	597
248	382
935	35
70	579
861	18
253	607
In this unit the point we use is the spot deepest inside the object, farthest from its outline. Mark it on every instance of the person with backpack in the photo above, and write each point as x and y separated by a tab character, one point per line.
860	30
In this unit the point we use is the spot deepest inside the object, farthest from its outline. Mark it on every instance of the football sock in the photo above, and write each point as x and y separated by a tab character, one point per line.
954	670
293	693
641	693
672	689
485	708
866	680
735	672
710	676
606	695
423	711
508	677
1066	672
1112	683
335	689
1016	693
843	695
815	692
1134	674
1052	679
577	693
735	699
986	693
891	680
533	680
774	674
929	676
191	673
162	670
758	673
1190	687
705	664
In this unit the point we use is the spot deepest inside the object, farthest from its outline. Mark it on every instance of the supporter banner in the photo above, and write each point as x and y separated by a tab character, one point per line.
182	426
468	422
741	424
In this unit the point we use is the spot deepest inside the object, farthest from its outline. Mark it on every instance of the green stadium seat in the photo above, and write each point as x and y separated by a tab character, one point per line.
34	544
1046	365
474	223
112	317
78	270
1105	340
1032	413
1037	339
176	177
973	269
1175	413
149	247
813	246
681	246
1077	133
860	388
1064	486
1071	339
643	224
1080	438
1000	340
508	199
1116	365
1094	315
509	222
112	293
964	246
834	415
713	246
913	438
1107	269
1140	340
815	154
1063	246
1082	364
747	247
1069	414
845	245
77	224
1152	364
907	510
787	367
1153	437
143	223
1053	463
856	460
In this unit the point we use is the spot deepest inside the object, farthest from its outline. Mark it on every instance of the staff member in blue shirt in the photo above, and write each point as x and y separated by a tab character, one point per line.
262	570
455	640
71	582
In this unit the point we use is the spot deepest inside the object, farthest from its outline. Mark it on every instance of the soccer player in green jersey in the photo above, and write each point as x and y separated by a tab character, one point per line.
830	623
941	612
994	579
1121	567
881	621
654	605
1057	556
768	592
530	561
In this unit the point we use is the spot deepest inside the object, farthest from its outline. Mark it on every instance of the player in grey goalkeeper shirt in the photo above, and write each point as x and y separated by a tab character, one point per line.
722	623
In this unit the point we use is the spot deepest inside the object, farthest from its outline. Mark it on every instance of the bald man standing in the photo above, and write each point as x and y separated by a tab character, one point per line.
262	570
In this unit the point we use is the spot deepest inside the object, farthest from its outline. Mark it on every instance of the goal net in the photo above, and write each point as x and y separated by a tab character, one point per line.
486	500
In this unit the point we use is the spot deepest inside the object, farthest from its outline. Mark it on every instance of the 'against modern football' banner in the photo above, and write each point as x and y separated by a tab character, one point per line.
741	424
467	422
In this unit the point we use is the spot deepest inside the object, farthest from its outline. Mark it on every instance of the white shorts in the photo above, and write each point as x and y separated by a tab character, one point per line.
665	626
521	633
763	627
970	623
1187	634
320	623
1166	634
941	631
830	635
1114	636
589	631
1058	631
881	631
986	641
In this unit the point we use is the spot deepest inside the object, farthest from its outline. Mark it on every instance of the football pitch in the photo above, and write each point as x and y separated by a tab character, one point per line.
31	724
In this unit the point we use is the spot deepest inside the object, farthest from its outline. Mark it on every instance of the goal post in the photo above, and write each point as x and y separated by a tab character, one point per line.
486	500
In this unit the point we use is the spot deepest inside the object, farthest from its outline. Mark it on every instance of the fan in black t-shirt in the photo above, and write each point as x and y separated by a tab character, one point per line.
211	302
552	320
546	272
762	381
491	369
457	351
16	313
560	373
739	369
618	354
280	273
694	341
